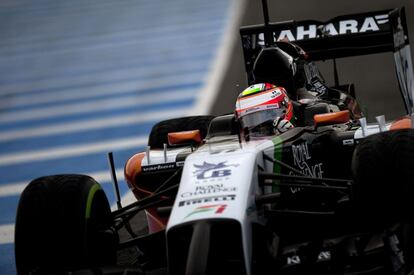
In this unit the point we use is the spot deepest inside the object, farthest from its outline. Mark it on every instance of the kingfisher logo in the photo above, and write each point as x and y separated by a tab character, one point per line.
211	170
217	208
311	31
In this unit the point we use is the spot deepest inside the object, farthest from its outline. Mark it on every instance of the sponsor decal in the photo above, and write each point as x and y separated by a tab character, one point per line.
312	31
209	189
180	163
256	100
318	86
158	167
301	159
293	260
276	93
348	142
324	256
211	171
207	200
217	208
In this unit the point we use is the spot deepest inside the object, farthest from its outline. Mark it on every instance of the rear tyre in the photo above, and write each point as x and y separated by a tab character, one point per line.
383	167
62	224
159	133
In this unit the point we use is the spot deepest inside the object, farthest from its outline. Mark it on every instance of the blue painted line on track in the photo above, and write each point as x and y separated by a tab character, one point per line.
79	164
80	6
101	135
110	42
98	48
7	265
90	20
8	207
78	137
101	46
84	116
133	63
162	90
180	64
84	10
84	136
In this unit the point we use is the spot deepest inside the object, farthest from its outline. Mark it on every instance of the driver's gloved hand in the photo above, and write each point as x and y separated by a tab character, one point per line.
281	125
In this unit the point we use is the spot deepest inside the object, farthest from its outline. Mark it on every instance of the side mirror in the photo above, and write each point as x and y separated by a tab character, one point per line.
331	118
184	137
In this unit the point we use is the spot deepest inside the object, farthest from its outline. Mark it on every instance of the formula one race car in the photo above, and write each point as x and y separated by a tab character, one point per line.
329	196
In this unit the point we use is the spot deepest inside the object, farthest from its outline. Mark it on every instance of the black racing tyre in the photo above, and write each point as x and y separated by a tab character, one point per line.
383	168
63	223
158	136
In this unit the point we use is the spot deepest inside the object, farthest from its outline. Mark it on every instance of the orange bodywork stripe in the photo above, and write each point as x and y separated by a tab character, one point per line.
184	136
403	123
133	168
331	118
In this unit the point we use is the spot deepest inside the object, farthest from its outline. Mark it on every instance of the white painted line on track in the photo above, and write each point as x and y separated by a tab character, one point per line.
16	188
137	42
100	123
143	24
6	233
99	79
72	151
108	104
95	91
96	63
14	47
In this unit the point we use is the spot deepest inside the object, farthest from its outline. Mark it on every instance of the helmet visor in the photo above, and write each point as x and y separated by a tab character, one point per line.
261	123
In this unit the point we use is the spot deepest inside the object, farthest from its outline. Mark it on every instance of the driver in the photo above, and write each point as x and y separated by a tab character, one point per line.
286	65
264	110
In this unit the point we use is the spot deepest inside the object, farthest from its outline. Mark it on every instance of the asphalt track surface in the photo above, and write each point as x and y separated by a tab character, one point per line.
81	78
373	75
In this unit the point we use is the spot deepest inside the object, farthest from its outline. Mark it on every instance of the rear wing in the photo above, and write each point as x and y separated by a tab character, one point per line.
342	36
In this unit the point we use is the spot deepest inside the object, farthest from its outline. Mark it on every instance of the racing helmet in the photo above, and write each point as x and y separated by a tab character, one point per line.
259	106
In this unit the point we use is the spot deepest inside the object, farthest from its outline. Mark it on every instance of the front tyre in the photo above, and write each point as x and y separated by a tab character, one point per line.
383	167
63	223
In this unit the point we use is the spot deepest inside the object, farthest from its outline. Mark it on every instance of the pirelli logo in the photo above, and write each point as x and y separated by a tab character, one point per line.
207	200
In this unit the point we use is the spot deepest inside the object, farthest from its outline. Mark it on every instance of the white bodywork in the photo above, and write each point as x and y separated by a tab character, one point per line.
219	181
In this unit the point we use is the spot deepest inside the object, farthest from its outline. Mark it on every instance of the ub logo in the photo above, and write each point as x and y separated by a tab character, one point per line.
211	170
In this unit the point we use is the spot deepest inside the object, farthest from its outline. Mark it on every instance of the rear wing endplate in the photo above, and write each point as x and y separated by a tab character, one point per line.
342	36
